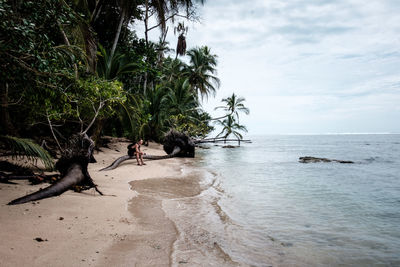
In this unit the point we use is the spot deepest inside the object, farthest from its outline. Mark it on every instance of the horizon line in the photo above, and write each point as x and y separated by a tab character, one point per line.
345	133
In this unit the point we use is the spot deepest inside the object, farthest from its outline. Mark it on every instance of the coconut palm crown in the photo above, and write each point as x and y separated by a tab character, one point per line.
230	126
202	70
234	105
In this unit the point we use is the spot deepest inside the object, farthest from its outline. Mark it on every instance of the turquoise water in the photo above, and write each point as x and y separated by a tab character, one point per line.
282	212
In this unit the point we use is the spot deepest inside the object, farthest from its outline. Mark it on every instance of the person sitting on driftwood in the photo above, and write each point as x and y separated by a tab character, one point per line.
134	150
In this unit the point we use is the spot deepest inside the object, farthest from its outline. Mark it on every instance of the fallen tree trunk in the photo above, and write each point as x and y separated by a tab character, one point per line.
73	177
176	144
73	170
215	140
119	160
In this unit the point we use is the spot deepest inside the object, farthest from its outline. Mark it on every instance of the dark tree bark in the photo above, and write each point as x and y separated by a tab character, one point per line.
5	120
98	128
73	170
119	160
73	177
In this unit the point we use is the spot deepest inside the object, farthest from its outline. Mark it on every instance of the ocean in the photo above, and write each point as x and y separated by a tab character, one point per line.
261	207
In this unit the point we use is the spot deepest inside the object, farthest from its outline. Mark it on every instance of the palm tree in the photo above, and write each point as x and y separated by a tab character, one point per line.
201	71
234	105
167	10
155	113
173	69
230	126
113	66
181	99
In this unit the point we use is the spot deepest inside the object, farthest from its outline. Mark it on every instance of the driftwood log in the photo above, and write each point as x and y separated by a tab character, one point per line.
176	144
73	170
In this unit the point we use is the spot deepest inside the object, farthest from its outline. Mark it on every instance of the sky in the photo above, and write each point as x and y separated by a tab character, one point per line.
305	66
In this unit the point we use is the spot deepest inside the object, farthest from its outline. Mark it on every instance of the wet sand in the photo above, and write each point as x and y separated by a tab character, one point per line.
155	215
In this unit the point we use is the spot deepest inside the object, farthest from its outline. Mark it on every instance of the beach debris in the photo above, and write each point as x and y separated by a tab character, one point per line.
156	246
39	239
61	218
309	159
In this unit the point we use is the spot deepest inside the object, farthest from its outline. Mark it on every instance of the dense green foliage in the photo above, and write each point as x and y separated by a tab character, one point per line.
69	66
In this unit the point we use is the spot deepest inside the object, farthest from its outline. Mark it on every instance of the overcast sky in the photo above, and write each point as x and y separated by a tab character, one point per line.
306	66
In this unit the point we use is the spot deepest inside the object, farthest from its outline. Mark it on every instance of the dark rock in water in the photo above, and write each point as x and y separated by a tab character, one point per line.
315	160
229	146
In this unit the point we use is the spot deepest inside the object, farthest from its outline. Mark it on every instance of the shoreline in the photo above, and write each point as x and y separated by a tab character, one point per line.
82	228
165	213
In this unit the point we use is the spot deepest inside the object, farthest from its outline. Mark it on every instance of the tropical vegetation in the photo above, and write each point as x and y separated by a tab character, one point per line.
78	66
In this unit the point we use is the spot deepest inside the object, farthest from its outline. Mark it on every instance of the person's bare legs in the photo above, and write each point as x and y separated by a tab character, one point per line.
137	159
141	158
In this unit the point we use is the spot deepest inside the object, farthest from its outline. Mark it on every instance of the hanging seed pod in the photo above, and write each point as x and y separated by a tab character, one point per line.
181	46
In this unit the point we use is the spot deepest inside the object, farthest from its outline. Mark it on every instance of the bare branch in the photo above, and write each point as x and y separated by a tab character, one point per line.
66	41
167	19
79	117
52	131
101	105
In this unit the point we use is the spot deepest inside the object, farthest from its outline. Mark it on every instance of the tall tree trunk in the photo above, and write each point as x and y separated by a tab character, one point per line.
96	11
97	131
66	41
5	120
90	47
116	38
146	21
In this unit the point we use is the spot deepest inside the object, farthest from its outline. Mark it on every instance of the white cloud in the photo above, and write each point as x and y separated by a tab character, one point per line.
307	65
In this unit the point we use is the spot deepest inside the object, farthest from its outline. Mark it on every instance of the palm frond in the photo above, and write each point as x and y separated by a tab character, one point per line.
20	147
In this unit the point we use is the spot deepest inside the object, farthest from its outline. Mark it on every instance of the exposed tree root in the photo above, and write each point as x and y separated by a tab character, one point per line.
73	170
74	176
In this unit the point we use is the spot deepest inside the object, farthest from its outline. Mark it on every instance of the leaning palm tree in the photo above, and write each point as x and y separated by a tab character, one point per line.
230	126
234	105
201	71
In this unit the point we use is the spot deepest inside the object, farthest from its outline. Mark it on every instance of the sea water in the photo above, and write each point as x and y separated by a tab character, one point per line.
265	208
